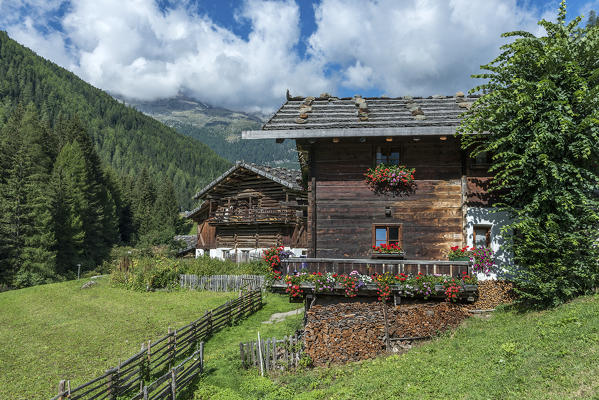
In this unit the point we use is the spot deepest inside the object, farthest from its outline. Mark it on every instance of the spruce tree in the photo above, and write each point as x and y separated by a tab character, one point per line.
68	225
144	196
166	212
26	234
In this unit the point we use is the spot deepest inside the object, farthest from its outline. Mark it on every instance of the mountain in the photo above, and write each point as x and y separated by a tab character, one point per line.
125	138
220	129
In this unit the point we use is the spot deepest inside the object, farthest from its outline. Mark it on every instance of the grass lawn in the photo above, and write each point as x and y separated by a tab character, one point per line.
552	354
59	331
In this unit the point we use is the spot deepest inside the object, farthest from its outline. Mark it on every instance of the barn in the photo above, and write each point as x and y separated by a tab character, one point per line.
250	208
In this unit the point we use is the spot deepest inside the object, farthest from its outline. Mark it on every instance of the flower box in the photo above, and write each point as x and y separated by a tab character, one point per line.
394	179
463	258
389	256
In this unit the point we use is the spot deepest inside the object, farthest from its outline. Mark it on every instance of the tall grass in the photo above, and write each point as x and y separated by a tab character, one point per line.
162	272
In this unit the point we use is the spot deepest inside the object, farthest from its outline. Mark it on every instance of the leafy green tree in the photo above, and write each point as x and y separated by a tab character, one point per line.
541	124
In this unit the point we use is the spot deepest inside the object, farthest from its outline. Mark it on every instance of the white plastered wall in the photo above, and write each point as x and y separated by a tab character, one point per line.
496	220
255	253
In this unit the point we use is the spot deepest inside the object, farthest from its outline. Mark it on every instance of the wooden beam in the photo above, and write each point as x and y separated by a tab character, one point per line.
350	132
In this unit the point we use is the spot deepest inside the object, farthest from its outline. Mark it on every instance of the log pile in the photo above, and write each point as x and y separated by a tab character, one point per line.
345	332
492	293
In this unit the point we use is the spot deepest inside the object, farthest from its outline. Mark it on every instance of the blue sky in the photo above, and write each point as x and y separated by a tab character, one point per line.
244	54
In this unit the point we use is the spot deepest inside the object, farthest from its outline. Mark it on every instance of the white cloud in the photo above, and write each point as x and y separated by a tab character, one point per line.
420	47
135	49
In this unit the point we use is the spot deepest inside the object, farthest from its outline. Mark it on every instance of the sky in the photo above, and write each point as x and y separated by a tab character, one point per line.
244	54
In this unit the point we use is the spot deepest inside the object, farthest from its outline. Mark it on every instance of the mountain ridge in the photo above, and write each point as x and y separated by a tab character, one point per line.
219	128
125	139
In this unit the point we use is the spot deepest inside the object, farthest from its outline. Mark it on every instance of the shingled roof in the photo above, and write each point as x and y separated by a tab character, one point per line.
287	177
328	116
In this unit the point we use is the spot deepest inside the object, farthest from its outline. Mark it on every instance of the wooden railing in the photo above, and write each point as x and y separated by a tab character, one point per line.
253	215
370	266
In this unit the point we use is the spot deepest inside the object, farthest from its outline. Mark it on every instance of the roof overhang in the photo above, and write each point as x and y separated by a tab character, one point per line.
249	167
430	130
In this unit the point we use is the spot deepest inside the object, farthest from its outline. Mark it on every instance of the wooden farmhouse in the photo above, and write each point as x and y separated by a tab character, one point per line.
339	139
248	209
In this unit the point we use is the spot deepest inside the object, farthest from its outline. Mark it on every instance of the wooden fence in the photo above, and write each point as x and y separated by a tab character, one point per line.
176	379
271	354
221	283
157	359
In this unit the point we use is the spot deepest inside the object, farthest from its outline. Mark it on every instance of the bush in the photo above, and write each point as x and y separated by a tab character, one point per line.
147	273
138	271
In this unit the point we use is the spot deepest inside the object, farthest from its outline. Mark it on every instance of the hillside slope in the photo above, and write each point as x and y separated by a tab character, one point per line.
125	138
59	331
220	129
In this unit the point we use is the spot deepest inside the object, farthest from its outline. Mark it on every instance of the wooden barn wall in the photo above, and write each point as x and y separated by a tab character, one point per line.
265	194
253	236
206	236
346	208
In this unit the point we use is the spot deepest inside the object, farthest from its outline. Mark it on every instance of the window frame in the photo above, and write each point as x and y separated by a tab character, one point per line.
487	234
390	148
387	226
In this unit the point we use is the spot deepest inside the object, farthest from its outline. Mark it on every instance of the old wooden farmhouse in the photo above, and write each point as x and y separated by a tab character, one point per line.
339	139
250	208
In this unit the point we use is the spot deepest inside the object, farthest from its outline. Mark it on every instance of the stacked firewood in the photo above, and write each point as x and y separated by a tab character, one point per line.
355	331
491	293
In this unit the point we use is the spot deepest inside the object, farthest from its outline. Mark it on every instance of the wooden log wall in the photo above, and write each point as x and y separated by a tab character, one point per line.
243	190
346	209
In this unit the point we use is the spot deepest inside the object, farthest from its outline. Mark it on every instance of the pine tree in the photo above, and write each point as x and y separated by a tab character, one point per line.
26	234
68	225
165	215
98	212
144	195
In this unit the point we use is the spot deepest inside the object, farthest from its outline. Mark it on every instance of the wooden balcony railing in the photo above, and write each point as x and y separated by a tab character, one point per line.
371	266
253	215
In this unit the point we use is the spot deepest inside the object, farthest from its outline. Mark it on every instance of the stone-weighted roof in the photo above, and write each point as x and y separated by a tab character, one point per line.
286	177
370	116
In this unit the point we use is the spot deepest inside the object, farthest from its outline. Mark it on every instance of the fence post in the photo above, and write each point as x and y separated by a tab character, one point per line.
274	353
145	393
141	370
229	317
113	384
260	355
171	346
61	390
149	359
267	355
173	383
285	351
242	355
202	357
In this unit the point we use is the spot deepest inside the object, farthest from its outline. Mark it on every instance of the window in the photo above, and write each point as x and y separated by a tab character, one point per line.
481	160
482	236
387	155
386	234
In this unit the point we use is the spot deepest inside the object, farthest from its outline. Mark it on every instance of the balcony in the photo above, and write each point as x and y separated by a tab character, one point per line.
371	266
250	216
